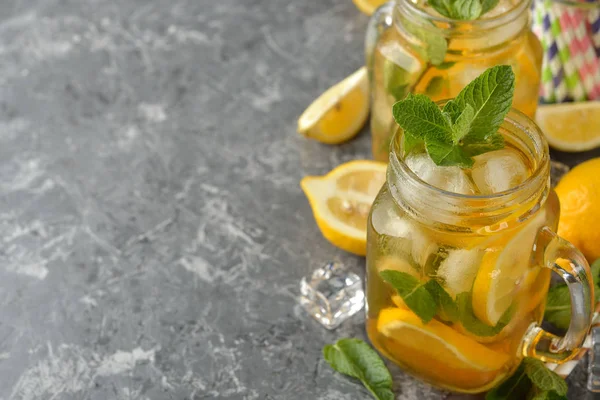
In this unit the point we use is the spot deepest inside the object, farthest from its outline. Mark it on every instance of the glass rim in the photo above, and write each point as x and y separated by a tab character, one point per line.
482	24
533	132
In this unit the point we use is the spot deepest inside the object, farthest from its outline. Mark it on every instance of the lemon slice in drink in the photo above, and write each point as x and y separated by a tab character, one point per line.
436	344
571	126
340	112
341	201
503	268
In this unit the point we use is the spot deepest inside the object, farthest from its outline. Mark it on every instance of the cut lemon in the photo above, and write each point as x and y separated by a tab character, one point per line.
571	126
438	342
503	268
341	201
338	114
368	6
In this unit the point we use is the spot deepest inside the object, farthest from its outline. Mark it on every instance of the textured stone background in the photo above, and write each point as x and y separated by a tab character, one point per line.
153	232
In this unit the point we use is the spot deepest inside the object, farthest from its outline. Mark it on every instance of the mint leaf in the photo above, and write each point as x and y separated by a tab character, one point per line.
435	86
487	5
411	142
355	358
433	44
552	395
462	124
558	302
444	7
422	118
558	306
415	295
452	109
466	10
396	79
490	95
543	378
471	323
515	387
446	154
595	269
446	307
445	65
473	147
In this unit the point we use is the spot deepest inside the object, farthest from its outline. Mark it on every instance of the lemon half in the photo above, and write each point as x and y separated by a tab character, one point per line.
342	199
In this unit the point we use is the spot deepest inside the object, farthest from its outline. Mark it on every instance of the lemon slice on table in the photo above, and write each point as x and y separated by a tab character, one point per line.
437	343
368	6
338	114
503	268
341	201
571	126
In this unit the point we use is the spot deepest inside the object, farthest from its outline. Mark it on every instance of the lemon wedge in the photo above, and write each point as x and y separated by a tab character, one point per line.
368	6
338	114
504	267
341	201
571	126
438	343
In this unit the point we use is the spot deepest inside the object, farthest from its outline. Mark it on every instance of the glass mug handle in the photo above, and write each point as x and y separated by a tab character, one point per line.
538	343
380	21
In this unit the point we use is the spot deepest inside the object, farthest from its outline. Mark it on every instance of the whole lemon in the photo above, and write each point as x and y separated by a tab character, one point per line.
579	194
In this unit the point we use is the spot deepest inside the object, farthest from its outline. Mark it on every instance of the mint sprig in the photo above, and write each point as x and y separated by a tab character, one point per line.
414	294
355	358
467	126
464	10
472	324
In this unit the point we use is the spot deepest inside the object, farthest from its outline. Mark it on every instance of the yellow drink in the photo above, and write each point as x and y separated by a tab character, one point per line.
483	235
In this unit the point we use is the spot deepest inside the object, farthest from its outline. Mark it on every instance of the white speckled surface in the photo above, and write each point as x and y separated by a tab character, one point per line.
153	232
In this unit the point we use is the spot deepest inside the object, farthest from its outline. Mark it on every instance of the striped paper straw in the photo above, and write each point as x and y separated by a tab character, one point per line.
570	37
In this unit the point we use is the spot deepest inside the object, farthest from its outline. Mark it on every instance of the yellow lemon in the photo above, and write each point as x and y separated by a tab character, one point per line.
341	201
571	126
368	6
504	267
579	195
436	344
340	112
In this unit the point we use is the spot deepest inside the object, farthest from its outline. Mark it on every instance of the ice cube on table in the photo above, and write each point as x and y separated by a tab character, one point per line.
451	179
498	171
332	294
459	270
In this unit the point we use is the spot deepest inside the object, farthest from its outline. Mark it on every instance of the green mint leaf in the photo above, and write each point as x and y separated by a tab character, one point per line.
438	150
551	395
435	86
490	95
543	378
444	7
487	5
446	307
452	109
473	147
446	155
462	124
595	269
471	323
466	10
558	306
422	118
515	387
355	358
558	302
411	142
445	65
433	44
415	295
396	80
